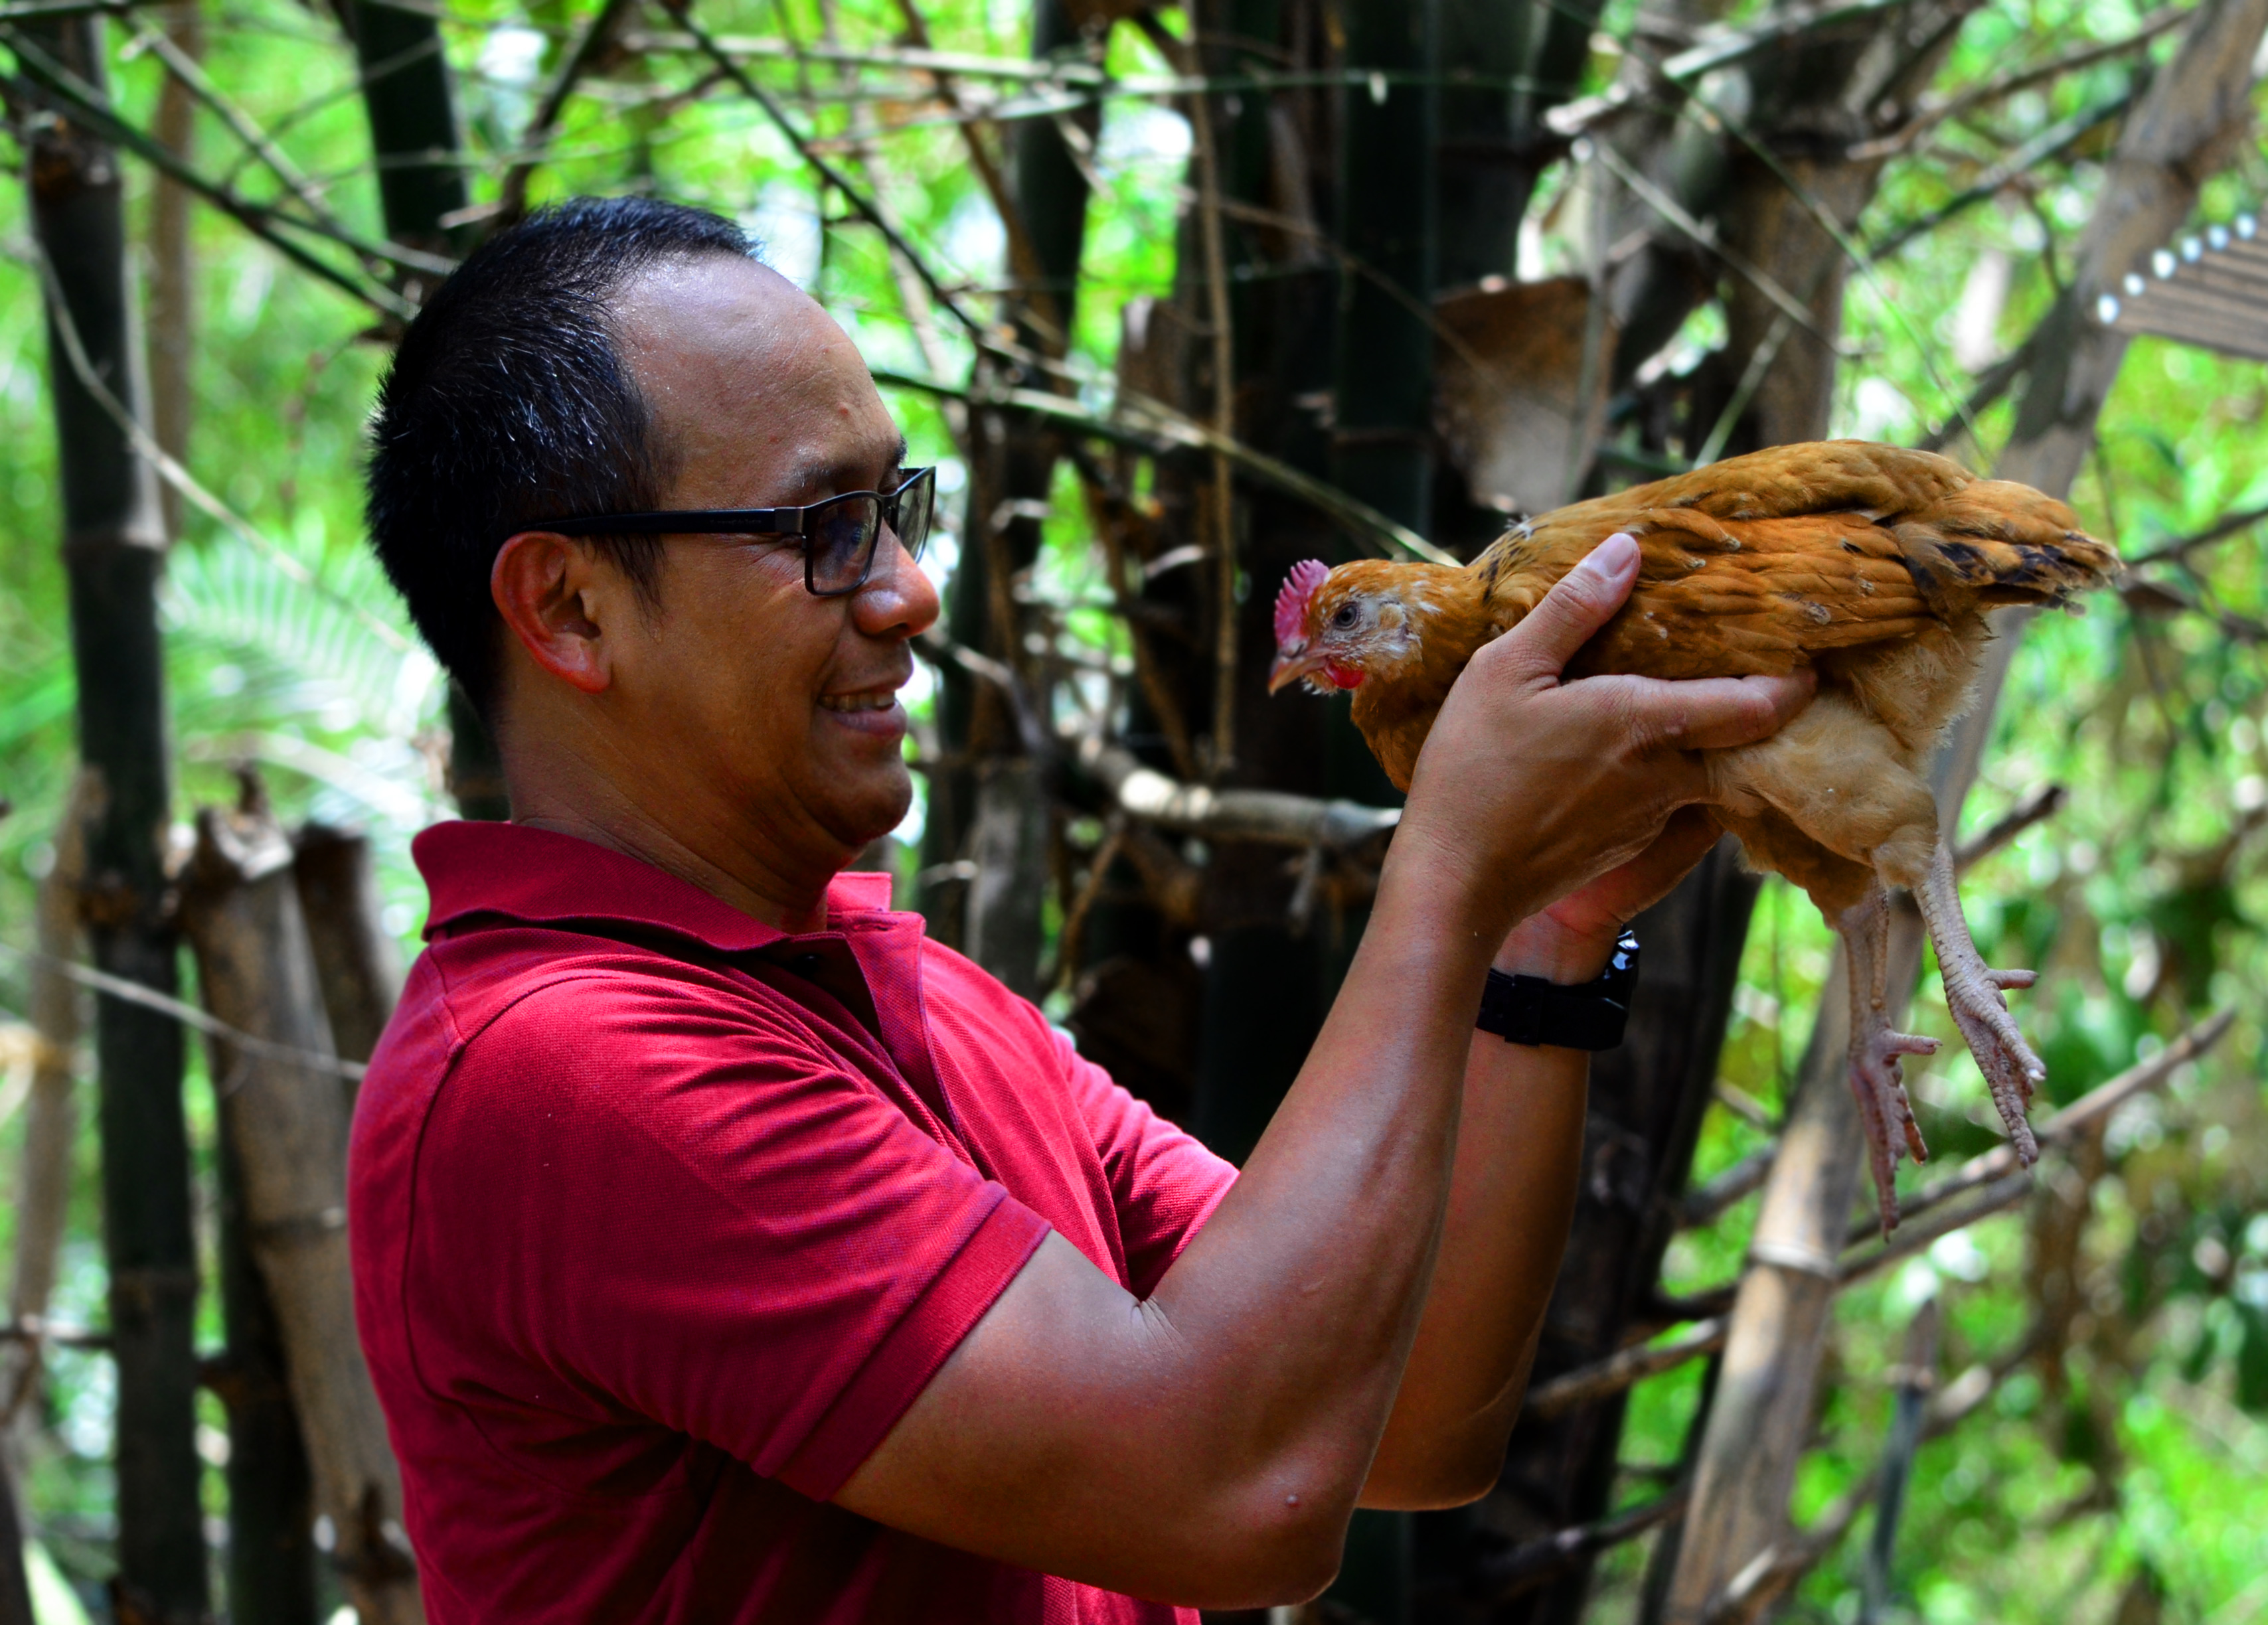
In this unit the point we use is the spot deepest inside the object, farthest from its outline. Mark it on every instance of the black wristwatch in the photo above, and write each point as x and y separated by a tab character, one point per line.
1528	1010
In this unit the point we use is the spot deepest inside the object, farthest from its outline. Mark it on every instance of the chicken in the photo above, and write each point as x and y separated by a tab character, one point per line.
1871	564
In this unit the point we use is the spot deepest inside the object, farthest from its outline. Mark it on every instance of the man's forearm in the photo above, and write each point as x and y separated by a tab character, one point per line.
1520	1144
1337	1218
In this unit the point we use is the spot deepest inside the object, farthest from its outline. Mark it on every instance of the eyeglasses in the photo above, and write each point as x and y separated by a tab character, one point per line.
839	535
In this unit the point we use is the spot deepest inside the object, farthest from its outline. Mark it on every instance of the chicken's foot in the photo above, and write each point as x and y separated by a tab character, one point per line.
1875	1075
1973	992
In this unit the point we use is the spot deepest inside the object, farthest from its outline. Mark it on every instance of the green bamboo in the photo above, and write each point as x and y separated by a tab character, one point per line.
421	185
112	546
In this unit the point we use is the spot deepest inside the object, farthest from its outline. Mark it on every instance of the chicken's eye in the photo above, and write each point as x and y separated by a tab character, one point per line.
1344	616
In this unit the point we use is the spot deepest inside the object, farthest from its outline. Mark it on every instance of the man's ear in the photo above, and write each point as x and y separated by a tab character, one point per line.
549	593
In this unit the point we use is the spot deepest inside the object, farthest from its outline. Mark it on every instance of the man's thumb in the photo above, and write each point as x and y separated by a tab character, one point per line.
1585	599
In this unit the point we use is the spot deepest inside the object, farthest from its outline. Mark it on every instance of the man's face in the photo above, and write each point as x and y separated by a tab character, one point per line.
762	401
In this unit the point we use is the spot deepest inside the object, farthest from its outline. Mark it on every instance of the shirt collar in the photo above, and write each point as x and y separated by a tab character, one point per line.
540	876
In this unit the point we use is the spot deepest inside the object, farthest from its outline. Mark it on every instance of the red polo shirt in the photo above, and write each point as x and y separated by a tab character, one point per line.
661	1218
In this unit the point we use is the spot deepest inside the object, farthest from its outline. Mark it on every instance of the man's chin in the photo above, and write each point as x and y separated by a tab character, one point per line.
864	807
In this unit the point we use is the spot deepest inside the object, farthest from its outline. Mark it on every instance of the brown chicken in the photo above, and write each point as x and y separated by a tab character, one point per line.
1872	565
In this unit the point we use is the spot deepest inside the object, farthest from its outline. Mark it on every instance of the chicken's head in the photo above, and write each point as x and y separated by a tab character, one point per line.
1335	629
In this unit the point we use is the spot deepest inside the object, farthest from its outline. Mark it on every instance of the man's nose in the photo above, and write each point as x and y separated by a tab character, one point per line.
898	598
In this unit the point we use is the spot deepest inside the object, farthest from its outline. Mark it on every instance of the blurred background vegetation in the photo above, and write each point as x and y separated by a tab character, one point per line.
2118	1470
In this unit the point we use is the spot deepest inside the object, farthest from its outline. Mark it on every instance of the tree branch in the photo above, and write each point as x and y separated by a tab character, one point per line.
44	78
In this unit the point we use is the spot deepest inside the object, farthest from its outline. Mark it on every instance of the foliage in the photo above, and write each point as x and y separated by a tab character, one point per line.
2134	1456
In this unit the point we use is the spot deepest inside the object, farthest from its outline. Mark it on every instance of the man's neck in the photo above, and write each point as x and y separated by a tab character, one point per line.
700	844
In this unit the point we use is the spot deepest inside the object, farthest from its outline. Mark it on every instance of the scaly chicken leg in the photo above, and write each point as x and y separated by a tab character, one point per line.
1973	992
1875	1078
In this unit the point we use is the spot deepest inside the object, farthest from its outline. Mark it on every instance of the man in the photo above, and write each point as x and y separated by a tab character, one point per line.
726	1252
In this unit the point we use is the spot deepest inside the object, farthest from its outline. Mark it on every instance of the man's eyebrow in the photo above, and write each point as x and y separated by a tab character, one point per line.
838	474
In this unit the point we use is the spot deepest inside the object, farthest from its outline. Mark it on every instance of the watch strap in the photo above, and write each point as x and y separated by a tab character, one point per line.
1592	1015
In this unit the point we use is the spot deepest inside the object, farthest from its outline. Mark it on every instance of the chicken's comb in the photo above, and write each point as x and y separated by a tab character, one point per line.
1291	599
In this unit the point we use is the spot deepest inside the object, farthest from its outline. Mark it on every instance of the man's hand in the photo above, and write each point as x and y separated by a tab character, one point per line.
1572	941
1529	788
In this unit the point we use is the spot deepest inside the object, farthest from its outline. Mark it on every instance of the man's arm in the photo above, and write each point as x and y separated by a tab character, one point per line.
1520	1144
1206	1445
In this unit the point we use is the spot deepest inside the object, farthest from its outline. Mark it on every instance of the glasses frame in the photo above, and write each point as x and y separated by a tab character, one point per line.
756	522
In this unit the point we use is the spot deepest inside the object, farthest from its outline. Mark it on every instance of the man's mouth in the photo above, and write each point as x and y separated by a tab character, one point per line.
865	700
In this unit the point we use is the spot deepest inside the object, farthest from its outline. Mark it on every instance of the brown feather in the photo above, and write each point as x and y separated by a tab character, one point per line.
1871	564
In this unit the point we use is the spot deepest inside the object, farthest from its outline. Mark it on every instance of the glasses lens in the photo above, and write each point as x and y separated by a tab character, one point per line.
917	499
842	535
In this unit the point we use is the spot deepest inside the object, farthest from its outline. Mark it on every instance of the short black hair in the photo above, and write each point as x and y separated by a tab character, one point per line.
508	403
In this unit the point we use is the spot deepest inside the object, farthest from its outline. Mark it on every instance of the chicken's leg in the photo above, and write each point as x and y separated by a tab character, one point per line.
1973	992
1875	1079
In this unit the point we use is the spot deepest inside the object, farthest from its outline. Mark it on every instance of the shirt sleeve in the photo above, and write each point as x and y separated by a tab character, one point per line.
1165	1183
630	1192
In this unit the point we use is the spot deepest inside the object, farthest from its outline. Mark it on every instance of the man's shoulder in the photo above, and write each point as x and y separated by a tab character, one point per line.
491	981
519	999
961	999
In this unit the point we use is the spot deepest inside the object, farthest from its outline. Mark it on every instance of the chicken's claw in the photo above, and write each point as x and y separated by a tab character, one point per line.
1877	1082
1972	993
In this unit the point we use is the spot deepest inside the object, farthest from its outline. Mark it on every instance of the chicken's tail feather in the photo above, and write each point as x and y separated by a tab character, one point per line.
1995	541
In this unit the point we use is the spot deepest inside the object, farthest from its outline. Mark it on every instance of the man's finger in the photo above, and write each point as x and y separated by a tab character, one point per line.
1620	894
1584	600
1718	713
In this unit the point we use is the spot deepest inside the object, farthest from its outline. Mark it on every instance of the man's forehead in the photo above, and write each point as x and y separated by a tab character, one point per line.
732	357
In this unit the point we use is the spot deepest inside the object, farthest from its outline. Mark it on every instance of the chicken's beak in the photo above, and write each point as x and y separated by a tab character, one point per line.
1292	666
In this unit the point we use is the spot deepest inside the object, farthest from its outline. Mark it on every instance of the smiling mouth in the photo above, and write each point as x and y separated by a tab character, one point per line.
872	700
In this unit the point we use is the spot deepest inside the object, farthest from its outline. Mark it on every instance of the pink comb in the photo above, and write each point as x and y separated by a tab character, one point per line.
1292	600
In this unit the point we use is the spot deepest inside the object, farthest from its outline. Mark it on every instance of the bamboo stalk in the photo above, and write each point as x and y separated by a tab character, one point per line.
113	538
1268	815
271	1511
287	1126
173	267
355	962
50	1132
413	134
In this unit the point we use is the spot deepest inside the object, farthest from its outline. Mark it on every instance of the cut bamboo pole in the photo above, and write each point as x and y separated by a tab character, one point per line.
286	1124
355	962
